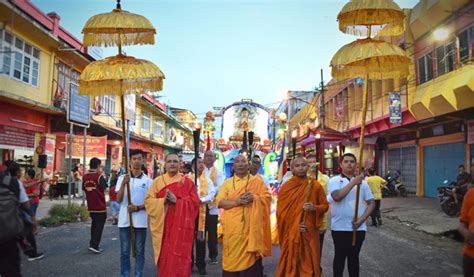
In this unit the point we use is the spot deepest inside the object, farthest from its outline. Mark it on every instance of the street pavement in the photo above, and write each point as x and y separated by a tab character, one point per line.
394	249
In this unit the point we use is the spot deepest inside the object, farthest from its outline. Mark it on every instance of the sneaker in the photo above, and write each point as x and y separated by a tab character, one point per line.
38	256
94	250
202	271
213	261
379	221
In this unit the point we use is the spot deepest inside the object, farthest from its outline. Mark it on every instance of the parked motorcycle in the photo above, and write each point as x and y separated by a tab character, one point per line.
394	186
446	199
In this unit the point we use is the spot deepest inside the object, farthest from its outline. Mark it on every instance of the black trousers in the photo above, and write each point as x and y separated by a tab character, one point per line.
343	249
10	259
200	246
211	228
29	247
321	241
98	222
468	266
375	213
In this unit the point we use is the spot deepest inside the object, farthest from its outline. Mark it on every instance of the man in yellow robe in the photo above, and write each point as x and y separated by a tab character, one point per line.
245	222
300	209
172	204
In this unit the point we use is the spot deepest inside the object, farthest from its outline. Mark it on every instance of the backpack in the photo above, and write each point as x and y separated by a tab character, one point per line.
10	215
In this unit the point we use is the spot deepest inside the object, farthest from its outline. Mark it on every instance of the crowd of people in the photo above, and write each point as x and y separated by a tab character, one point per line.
182	209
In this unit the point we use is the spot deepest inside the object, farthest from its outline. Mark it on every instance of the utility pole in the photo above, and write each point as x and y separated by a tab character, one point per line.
322	111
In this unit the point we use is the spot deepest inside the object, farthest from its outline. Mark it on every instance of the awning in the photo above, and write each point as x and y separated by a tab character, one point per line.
449	93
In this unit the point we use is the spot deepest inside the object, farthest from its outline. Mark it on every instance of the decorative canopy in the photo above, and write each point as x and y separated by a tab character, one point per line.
120	75
383	17
118	27
373	58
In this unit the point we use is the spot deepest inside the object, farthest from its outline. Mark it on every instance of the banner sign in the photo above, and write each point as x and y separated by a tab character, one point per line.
339	108
95	147
16	138
130	100
395	107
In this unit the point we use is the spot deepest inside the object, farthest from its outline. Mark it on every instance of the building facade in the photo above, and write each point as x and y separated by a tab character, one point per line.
422	125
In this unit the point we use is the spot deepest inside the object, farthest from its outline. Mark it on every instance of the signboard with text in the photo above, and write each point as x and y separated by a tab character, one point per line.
395	107
95	147
16	138
78	109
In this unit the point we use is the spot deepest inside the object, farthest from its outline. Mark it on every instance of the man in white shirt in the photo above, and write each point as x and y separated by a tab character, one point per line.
255	165
206	192
217	178
342	196
139	184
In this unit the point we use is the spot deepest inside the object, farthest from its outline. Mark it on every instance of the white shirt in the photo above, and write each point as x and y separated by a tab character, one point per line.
138	189
211	191
342	213
219	180
22	197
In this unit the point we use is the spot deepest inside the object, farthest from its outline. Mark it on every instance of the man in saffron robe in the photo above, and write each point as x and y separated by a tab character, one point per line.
300	210
172	204
245	222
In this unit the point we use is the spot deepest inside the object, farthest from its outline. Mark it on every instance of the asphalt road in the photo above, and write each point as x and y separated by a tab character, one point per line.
394	249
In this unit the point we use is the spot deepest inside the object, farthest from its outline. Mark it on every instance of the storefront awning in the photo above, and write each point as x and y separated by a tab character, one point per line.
449	93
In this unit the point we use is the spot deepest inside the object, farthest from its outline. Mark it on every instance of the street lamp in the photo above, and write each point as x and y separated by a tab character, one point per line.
441	34
294	134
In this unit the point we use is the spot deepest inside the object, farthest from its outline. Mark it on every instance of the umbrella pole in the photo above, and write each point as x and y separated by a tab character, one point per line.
127	171
361	152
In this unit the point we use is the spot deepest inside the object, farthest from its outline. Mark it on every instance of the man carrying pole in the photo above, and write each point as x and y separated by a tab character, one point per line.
217	178
139	184
342	190
300	210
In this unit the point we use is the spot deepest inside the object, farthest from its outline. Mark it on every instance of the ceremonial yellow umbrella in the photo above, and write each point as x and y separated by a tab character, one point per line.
120	75
368	58
383	17
118	27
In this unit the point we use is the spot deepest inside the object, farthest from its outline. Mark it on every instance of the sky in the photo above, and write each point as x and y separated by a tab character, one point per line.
216	52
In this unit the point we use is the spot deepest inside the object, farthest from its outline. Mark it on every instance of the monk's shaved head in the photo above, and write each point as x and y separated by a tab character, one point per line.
241	166
299	167
172	164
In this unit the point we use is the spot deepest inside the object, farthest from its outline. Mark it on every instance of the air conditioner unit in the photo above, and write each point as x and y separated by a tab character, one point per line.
118	123
152	136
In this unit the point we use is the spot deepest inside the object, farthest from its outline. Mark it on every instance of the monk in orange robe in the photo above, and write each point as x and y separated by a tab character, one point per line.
245	222
172	205
300	211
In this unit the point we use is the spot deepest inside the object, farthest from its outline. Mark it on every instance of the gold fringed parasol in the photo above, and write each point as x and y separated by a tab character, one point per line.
120	75
118	27
375	59
368	58
383	16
